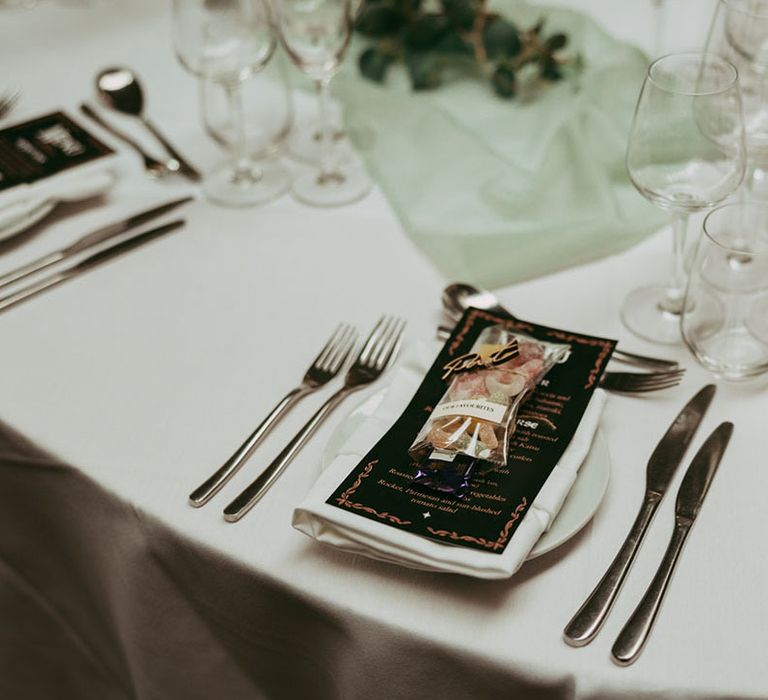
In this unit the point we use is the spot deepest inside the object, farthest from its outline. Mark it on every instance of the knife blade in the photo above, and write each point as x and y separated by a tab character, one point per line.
88	263
690	497
90	240
662	464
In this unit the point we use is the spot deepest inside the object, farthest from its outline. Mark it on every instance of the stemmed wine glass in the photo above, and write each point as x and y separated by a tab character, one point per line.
316	34
686	153
226	42
739	33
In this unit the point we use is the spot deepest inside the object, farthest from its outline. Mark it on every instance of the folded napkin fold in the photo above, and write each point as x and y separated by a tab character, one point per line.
352	533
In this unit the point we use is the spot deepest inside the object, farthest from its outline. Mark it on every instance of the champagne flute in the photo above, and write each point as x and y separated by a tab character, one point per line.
316	34
739	33
227	42
686	154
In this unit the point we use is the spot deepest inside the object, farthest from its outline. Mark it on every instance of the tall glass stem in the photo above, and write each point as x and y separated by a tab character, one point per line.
243	171
327	160
674	299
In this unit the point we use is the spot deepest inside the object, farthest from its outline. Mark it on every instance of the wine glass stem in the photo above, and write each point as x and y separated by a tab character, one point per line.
243	169
327	160
674	301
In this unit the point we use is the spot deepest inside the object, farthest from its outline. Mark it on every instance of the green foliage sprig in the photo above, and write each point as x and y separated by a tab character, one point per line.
428	39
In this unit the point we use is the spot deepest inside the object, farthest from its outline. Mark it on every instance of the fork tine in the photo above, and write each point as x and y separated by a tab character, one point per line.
372	339
393	346
381	341
322	356
390	345
344	346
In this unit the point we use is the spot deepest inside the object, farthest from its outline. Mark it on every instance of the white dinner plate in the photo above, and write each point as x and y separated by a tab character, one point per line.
579	507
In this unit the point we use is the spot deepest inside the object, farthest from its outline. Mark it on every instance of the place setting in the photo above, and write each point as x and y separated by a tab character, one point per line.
449	380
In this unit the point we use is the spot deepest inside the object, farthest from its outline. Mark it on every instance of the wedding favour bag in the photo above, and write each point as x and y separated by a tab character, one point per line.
368	501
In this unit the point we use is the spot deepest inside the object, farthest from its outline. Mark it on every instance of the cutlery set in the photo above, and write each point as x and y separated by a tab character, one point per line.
91	241
376	355
661	468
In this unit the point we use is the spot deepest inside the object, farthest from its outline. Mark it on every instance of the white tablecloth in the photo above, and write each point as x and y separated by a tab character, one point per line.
146	373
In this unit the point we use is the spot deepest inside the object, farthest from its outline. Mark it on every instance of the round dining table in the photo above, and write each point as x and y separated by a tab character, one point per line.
125	388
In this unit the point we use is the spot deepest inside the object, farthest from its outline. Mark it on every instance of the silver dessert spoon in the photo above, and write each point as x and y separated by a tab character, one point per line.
119	88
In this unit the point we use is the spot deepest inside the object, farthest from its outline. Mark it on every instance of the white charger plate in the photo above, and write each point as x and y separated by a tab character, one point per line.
579	507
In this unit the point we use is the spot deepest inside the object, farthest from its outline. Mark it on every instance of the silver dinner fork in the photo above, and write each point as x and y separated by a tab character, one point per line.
324	368
378	353
640	382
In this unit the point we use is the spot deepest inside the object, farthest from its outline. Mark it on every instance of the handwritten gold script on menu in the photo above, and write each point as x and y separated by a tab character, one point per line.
485	360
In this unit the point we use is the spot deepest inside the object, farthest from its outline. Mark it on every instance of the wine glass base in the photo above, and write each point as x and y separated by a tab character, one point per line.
645	313
264	183
350	184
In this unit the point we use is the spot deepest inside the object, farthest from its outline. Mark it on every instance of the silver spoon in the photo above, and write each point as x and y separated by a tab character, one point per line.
119	89
459	296
153	167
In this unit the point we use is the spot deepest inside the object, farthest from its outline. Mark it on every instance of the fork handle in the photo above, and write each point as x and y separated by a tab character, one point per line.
586	623
252	493
211	486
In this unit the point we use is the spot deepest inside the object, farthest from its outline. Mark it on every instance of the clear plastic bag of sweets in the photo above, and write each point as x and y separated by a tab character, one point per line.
476	415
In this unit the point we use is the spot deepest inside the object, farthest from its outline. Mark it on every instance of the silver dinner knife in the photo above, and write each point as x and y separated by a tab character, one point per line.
88	263
89	241
690	497
662	465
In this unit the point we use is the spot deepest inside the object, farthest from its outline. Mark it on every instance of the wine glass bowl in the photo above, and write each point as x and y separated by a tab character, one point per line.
316	35
739	33
725	318
227	42
686	153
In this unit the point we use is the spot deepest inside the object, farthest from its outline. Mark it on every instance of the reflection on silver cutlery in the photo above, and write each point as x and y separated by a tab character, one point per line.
640	382
88	241
662	465
152	166
458	296
120	89
325	367
377	354
690	498
88	263
8	102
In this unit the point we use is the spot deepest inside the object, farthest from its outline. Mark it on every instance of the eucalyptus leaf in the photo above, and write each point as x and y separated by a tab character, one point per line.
425	32
452	43
461	13
556	42
379	20
501	39
374	63
423	69
504	81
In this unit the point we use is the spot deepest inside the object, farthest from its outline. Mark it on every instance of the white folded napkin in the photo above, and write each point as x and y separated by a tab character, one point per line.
353	533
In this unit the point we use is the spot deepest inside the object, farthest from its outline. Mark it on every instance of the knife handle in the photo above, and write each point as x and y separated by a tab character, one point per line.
7	302
30	268
635	633
254	491
213	484
586	623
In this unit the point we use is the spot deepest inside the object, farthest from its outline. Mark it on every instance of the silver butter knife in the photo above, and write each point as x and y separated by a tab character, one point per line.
89	241
690	497
662	465
88	263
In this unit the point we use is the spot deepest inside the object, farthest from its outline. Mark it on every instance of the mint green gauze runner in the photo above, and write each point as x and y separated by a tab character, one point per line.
497	191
